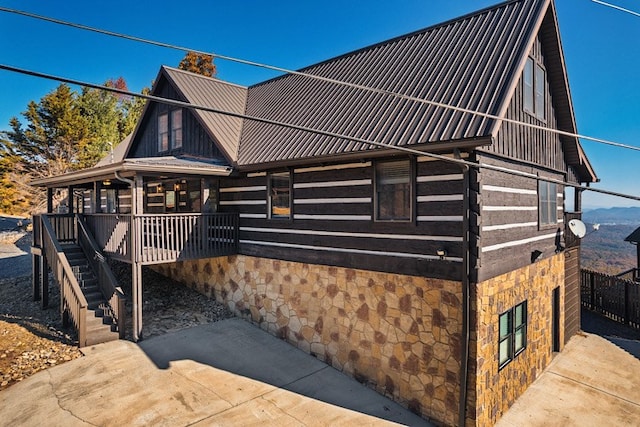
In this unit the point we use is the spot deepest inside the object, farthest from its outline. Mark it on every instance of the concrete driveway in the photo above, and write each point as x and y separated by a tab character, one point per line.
595	381
224	373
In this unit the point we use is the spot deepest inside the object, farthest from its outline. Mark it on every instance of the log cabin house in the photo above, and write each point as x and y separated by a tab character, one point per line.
430	281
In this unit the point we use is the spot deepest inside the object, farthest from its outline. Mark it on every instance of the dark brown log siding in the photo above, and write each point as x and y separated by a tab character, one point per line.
506	249
350	242
524	143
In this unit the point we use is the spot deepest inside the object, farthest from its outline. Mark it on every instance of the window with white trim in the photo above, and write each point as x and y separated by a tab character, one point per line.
163	132
393	190
176	129
534	83
513	333
547	203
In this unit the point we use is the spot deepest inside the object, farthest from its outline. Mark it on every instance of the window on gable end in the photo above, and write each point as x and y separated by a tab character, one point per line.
176	129
163	132
534	88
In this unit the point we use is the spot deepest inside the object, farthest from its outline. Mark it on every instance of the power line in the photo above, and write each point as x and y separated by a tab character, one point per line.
620	8
321	78
312	130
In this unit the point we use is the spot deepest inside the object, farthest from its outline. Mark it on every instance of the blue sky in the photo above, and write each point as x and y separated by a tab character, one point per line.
600	45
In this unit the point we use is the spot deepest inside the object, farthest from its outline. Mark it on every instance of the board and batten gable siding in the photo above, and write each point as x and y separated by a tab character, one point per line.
195	140
505	217
333	220
527	144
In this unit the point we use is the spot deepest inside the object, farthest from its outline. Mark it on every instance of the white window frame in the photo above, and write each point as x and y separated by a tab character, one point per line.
547	203
163	132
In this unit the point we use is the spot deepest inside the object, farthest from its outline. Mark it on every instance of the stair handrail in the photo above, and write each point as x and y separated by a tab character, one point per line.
107	282
73	302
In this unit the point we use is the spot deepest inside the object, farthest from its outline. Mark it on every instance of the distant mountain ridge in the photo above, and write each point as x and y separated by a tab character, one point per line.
621	216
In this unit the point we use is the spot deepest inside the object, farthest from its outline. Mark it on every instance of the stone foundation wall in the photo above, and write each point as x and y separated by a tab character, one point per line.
493	391
400	335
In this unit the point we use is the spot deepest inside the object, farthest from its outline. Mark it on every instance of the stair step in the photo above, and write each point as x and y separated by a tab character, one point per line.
101	335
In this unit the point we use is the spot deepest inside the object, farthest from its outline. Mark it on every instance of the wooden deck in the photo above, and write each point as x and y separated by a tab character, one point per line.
163	238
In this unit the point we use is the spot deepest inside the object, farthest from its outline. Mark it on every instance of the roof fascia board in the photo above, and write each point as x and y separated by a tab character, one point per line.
435	148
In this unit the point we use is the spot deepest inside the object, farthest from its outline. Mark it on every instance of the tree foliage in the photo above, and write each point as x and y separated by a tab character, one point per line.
198	63
65	131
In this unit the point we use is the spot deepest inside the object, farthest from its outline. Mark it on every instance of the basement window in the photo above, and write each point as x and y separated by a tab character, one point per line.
513	333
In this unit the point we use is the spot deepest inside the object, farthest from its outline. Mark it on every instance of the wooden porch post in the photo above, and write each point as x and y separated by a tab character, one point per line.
136	267
70	201
97	188
49	200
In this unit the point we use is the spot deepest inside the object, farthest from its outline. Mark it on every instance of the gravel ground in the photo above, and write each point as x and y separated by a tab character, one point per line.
33	339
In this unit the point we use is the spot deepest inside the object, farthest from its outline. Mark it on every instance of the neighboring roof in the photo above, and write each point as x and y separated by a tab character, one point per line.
634	237
118	153
467	62
180	165
217	94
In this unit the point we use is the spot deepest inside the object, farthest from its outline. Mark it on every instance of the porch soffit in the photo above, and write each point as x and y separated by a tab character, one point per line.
129	167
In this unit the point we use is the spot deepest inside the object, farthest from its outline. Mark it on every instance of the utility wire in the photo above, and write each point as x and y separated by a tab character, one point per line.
620	8
312	130
321	78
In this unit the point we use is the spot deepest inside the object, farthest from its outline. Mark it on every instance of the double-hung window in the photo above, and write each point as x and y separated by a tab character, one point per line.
513	333
534	82
393	190
170	130
280	195
547	203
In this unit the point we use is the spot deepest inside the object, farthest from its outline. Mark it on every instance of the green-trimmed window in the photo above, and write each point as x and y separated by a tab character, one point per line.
513	333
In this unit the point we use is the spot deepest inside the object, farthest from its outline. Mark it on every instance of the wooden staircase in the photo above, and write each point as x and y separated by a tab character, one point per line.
100	326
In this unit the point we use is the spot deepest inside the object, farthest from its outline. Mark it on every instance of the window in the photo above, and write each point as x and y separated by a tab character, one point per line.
548	203
534	81
163	132
393	191
279	195
513	333
170	140
176	128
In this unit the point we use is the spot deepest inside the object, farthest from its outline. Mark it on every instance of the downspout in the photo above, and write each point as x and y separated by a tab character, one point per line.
134	251
464	357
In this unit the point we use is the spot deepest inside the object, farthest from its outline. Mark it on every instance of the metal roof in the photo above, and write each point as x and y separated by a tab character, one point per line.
118	153
634	237
214	93
467	62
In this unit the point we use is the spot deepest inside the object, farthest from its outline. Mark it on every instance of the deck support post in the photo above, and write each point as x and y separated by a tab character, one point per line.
70	200
49	200
35	276
136	287
44	282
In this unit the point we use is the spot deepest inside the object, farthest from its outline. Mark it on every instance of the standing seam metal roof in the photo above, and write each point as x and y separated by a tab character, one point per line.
467	62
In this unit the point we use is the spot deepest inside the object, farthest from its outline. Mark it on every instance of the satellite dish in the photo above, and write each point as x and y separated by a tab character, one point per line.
578	228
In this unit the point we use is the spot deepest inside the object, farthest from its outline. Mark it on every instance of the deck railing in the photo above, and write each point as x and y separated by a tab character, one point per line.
632	275
614	297
72	300
107	282
112	234
165	237
174	237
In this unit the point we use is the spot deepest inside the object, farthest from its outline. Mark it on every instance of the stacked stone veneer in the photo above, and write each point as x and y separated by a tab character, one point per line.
493	391
401	335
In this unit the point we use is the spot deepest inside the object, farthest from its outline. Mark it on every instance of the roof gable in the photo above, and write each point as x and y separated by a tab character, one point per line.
468	62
